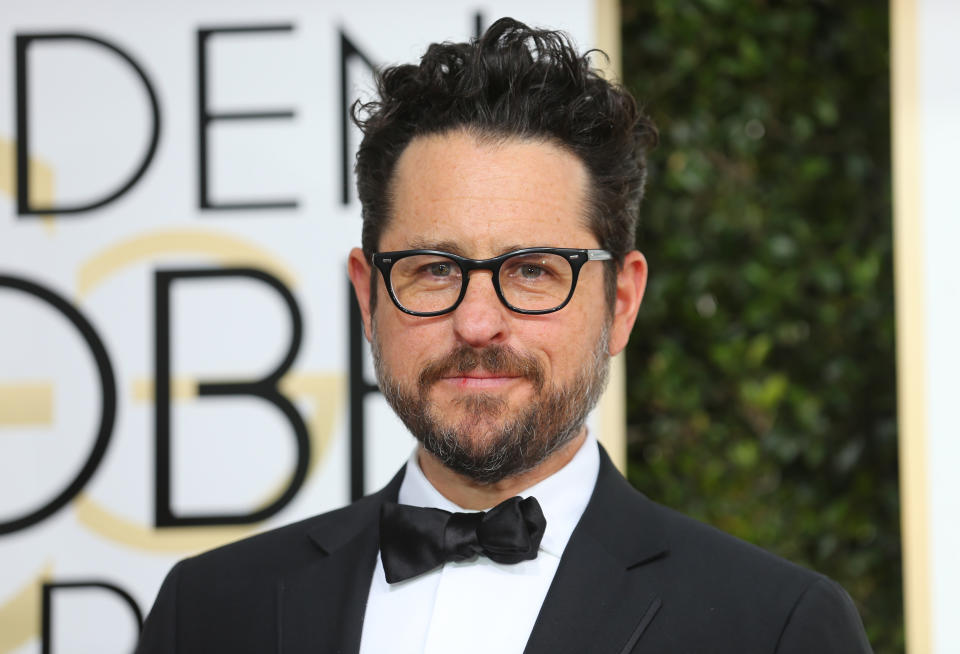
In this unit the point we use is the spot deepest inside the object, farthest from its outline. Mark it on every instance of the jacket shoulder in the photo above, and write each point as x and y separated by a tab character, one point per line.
729	590
717	593
271	552
227	599
706	546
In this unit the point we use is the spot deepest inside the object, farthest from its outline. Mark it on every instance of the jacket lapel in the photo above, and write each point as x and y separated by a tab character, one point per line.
321	605
598	601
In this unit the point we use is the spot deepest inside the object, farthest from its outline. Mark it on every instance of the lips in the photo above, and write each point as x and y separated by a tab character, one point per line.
489	367
483	374
481	379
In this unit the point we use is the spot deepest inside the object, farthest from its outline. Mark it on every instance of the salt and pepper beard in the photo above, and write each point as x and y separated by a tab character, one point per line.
487	445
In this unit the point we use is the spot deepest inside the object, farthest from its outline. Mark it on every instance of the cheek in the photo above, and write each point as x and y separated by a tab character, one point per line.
406	342
565	341
570	359
578	341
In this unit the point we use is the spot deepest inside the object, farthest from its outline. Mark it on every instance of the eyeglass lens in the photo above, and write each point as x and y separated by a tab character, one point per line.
533	282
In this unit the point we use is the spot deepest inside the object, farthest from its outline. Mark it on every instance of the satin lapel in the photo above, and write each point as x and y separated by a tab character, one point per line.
600	601
321	605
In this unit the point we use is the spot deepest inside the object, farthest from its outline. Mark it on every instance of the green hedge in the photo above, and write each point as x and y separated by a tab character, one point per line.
761	392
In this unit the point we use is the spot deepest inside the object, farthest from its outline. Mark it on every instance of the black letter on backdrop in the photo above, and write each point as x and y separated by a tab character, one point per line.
23	130
264	388
359	389
348	51
47	609
477	25
205	118
108	401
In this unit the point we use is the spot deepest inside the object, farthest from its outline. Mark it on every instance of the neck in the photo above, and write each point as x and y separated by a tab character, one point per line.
469	494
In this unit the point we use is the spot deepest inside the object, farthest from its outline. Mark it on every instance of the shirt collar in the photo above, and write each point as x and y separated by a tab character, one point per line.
563	496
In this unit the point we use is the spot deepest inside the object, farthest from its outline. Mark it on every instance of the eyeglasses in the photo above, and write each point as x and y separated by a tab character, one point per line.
529	281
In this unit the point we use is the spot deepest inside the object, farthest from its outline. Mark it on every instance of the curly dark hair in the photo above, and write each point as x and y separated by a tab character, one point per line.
512	82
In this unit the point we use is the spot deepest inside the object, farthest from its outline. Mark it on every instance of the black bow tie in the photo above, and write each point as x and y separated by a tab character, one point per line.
414	540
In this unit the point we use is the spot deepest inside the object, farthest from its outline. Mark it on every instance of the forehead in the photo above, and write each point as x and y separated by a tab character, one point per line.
453	191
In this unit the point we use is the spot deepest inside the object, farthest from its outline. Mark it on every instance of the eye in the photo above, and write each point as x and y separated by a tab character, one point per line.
531	271
439	269
531	268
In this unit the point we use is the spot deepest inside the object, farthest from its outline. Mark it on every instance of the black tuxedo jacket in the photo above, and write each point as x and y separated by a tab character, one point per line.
635	578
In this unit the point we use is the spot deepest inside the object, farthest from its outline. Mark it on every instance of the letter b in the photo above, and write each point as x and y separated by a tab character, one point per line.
264	388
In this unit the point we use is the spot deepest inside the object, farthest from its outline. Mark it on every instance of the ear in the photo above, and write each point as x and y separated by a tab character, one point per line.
360	270
631	283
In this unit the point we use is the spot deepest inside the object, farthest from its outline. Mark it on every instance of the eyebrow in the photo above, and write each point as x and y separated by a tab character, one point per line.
454	248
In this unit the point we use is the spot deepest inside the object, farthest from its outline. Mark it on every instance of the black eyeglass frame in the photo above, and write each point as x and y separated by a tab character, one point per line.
576	257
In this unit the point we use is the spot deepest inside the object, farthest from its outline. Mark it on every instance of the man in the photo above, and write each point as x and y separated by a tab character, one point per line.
500	182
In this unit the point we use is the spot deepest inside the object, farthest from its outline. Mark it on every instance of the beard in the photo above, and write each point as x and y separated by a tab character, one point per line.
487	444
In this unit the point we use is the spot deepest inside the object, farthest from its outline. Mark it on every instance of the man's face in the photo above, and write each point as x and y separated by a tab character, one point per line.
490	392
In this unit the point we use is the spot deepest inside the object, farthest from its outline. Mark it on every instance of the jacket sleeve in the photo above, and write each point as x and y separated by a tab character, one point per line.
824	620
159	633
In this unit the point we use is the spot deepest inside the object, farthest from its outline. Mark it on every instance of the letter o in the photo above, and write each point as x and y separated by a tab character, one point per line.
108	403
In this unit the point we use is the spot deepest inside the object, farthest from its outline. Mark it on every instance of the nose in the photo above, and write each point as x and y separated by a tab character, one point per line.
481	318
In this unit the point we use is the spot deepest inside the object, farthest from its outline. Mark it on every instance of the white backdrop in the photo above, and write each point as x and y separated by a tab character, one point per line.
201	272
939	79
926	140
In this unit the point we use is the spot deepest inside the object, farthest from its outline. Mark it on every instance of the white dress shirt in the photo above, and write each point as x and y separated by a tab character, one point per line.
477	606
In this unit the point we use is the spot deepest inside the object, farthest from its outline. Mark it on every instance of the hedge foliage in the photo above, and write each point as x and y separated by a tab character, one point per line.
761	393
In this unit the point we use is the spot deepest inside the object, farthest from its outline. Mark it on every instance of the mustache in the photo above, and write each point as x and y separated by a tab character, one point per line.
496	359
